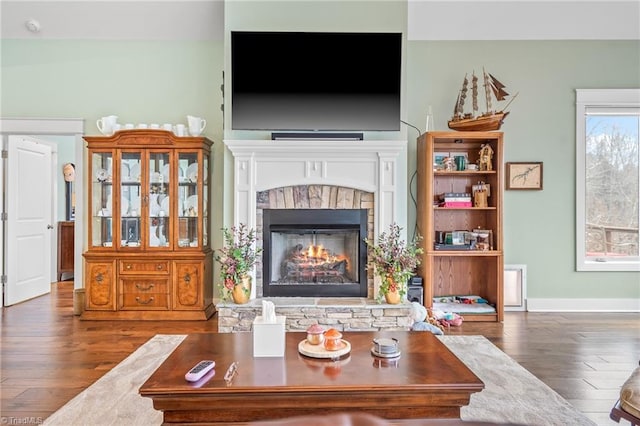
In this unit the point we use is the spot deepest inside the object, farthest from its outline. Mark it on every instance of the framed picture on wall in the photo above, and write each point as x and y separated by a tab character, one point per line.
524	175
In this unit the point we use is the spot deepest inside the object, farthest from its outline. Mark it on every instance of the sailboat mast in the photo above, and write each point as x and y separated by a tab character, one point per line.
474	93
456	108
487	92
458	111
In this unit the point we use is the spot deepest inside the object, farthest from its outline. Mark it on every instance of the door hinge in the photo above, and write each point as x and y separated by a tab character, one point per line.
3	279
4	216
5	153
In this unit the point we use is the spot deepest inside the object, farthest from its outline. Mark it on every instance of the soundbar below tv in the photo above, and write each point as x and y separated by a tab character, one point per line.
281	136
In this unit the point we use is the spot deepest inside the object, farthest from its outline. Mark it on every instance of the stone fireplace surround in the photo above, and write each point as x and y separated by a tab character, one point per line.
373	172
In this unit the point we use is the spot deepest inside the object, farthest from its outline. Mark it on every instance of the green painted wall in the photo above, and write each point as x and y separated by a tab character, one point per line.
139	81
539	226
165	81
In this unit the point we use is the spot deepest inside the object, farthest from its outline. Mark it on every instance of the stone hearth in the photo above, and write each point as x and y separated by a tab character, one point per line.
344	314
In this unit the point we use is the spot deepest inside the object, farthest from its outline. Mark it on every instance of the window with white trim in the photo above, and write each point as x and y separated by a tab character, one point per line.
607	179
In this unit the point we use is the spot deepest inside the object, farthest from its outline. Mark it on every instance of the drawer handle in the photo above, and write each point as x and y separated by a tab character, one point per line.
99	278
143	288
159	266
144	302
187	278
128	266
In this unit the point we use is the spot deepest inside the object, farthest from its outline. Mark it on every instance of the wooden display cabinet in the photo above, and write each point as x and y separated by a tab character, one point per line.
149	256
65	248
458	271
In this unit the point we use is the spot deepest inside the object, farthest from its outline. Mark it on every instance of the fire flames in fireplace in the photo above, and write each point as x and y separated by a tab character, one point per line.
315	264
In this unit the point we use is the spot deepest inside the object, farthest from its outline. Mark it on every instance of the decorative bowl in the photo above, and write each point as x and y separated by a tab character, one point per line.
315	334
332	340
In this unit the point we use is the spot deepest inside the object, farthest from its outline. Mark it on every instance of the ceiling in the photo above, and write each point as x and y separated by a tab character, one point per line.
426	19
114	20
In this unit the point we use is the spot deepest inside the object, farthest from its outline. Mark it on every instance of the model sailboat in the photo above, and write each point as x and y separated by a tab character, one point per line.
488	120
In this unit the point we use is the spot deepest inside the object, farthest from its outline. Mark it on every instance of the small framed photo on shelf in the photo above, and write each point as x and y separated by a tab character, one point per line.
458	238
484	239
439	159
524	175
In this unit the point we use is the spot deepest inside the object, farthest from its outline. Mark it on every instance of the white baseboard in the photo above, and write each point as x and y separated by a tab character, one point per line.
583	305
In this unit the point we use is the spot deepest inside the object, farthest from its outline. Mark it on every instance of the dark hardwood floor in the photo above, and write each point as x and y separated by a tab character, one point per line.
49	355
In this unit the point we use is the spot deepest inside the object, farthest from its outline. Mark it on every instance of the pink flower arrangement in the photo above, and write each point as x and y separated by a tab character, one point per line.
238	255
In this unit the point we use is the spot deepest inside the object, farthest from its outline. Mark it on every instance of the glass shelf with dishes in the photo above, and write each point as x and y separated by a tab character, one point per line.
159	200
102	199
130	199
190	190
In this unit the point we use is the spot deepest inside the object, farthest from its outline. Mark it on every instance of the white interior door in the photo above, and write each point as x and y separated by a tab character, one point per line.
29	219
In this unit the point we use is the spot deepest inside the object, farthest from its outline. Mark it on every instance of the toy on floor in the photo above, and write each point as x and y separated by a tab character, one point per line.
422	321
448	319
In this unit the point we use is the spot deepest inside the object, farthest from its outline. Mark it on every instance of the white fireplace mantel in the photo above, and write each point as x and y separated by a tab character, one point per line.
375	166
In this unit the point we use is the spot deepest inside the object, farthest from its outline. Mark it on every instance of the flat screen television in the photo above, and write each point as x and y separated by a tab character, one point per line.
315	81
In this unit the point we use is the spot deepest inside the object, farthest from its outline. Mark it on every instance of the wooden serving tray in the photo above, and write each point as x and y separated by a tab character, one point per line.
318	351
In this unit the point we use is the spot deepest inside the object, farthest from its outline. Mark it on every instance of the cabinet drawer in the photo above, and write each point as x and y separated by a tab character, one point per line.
145	301
144	266
144	285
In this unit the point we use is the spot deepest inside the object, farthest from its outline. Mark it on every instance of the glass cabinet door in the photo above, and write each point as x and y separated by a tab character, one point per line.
160	212
188	206
102	199
130	199
205	202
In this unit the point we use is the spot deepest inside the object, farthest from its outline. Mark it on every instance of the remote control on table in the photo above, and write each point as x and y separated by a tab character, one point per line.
199	370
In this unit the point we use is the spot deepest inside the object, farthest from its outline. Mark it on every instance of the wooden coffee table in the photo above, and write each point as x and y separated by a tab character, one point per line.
426	381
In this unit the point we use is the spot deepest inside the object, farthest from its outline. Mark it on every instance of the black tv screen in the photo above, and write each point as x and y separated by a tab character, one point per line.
311	81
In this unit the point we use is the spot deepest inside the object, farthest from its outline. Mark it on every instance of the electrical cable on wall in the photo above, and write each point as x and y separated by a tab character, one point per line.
413	176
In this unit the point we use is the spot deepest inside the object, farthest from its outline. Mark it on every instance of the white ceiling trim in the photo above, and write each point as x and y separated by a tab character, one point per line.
523	20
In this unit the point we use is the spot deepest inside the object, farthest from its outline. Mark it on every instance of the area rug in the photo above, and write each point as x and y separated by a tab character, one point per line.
511	394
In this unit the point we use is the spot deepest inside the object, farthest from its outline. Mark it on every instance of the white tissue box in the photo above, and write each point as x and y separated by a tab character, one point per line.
268	338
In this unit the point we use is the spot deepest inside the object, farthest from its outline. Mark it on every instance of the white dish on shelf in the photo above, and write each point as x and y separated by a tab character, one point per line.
125	175
166	170
134	172
134	204
108	208
102	175
154	207
154	241
155	177
124	206
191	203
192	172
165	206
